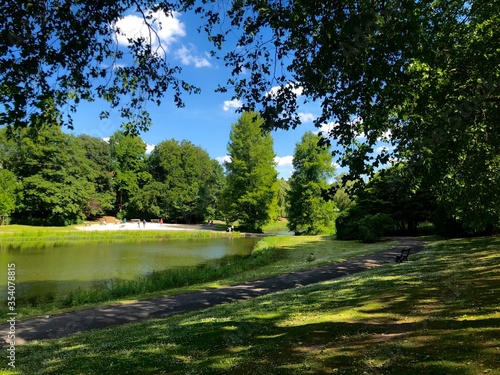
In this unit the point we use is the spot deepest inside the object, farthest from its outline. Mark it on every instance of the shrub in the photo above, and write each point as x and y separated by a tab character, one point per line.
347	223
356	224
372	227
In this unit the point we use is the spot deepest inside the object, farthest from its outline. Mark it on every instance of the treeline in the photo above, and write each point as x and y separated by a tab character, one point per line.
48	177
396	200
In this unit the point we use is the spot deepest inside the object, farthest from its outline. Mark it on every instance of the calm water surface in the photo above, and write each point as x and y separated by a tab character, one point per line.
57	270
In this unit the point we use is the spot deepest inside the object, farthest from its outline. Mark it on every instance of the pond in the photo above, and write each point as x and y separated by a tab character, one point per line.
51	271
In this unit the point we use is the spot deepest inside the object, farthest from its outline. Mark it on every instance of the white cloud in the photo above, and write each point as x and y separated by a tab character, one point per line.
285	161
223	159
188	57
361	136
106	139
387	135
165	29
231	104
336	165
306	117
149	148
284	166
381	149
296	89
326	128
118	65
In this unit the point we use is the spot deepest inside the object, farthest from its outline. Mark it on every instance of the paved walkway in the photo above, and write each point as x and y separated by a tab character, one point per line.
65	324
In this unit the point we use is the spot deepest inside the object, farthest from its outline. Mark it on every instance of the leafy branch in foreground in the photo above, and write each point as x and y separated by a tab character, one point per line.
423	76
55	55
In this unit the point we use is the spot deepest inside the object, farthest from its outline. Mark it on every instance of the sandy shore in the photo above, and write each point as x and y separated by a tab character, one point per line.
149	226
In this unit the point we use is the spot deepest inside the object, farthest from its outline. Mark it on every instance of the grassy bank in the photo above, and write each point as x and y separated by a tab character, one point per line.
271	256
26	236
162	281
437	314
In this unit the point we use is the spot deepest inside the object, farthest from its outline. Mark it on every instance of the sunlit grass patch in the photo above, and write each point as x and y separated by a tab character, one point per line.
21	237
436	314
276	227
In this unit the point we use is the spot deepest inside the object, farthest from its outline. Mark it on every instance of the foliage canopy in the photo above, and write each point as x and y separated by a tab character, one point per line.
56	54
422	75
308	212
182	172
48	177
251	192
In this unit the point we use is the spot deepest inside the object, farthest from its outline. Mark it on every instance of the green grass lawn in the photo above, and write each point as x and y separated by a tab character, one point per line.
24	235
297	250
276	227
437	314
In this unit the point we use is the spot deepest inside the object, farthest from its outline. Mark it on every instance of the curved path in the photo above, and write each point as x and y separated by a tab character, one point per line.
65	324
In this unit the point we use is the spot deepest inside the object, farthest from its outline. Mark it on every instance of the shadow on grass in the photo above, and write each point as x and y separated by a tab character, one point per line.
437	314
263	345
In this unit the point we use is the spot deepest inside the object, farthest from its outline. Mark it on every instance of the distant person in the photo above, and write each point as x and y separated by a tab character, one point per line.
161	222
139	224
144	222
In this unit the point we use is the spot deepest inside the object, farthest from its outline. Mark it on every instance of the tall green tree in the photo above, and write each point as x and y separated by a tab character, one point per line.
423	75
211	192
10	191
397	193
128	154
149	201
283	203
251	192
309	212
188	180
341	197
98	169
49	166
8	150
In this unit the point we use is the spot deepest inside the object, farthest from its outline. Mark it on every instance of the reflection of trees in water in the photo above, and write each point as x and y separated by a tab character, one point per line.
187	254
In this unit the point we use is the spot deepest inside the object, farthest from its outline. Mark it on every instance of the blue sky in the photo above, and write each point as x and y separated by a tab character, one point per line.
207	117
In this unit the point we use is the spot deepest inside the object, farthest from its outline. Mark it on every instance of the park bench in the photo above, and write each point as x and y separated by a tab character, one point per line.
88	223
405	253
135	220
155	220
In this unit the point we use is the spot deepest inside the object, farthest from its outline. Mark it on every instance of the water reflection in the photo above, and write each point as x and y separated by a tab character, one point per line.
44	272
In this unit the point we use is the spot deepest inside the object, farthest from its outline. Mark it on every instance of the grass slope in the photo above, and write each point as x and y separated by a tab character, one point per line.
437	314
